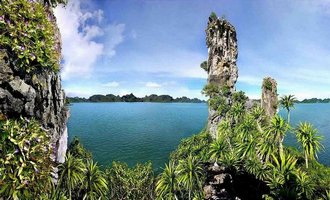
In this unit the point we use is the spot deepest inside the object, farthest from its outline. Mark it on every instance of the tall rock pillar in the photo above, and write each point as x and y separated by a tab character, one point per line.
269	101
221	64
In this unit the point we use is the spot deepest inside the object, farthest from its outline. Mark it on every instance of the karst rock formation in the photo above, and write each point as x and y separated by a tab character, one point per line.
37	95
269	101
221	64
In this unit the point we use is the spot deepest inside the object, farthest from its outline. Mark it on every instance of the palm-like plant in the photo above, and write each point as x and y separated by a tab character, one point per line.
256	167
257	112
265	148
71	173
94	184
231	161
224	131
310	141
217	149
282	172
277	130
190	173
237	111
246	130
287	102
305	186
167	185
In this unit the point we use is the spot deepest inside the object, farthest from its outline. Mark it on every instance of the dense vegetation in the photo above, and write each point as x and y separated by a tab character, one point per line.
247	142
28	32
24	159
132	98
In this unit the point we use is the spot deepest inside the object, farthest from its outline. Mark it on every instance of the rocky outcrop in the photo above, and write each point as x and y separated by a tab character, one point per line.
219	183
221	64
36	95
269	100
227	184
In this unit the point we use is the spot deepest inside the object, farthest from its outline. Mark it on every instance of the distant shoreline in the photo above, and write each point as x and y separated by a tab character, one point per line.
131	98
136	102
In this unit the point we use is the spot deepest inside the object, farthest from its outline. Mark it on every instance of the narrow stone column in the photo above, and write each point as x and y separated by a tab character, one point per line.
269	101
221	64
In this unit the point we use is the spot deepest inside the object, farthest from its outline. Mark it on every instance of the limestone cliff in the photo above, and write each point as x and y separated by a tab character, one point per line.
269	101
221	64
38	95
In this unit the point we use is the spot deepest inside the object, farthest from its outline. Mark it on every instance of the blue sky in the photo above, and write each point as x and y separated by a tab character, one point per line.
156	46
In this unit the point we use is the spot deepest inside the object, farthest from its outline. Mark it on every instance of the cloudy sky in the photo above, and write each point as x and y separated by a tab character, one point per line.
156	46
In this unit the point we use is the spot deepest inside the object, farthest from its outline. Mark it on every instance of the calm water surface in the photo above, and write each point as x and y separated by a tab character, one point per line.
135	132
139	132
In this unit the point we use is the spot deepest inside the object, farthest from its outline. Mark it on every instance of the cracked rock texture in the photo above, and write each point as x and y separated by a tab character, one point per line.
269	100
221	64
38	95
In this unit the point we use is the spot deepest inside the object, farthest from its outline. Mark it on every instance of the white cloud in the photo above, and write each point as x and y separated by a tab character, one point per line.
112	84
114	36
80	51
152	85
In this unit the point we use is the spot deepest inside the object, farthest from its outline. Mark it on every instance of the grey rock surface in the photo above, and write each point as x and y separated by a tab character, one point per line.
269	99
38	95
221	64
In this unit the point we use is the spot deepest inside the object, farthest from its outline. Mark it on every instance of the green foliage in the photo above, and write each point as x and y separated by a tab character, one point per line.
167	186
133	98
268	84
190	175
25	164
53	3
218	149
211	90
277	130
204	65
239	97
94	184
77	150
29	34
310	141
213	16
197	145
130	183
71	175
287	102
218	103
237	111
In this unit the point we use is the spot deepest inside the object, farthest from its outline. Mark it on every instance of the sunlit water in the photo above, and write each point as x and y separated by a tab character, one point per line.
139	132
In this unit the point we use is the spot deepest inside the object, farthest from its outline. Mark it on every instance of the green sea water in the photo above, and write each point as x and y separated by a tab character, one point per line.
135	132
139	132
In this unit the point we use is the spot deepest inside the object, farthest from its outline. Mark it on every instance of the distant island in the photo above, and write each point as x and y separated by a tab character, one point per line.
315	100
132	98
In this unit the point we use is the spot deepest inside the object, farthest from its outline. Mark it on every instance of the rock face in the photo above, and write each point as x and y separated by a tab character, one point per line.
221	65
269	101
38	95
226	184
219	183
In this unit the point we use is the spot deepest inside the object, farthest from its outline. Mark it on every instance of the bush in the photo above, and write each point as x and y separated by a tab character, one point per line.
268	85
213	16
204	66
28	33
130	183
25	164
